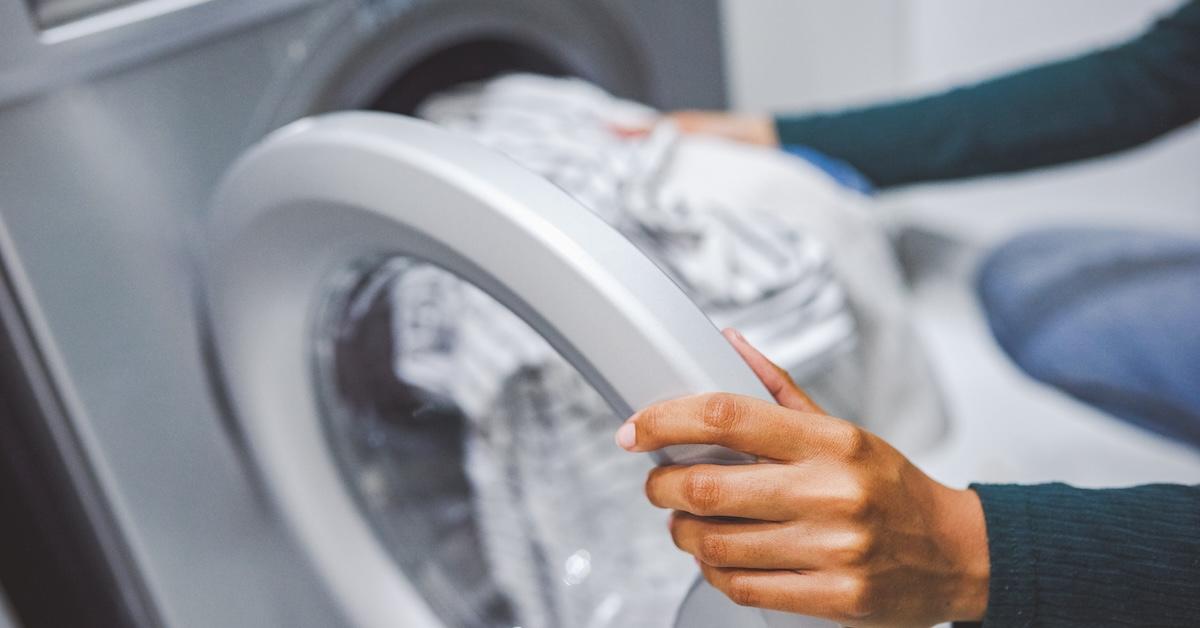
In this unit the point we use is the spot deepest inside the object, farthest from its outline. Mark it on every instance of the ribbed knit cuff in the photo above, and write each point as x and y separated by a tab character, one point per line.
1064	556
1012	594
785	130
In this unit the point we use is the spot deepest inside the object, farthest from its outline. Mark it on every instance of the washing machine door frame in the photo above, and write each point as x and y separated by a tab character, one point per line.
324	194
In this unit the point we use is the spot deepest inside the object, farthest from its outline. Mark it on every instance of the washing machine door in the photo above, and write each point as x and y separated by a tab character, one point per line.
403	322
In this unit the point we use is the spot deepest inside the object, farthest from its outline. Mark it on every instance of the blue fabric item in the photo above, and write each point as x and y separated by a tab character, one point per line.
841	171
1110	317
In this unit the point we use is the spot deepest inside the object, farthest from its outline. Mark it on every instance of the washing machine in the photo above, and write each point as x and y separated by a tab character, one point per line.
192	249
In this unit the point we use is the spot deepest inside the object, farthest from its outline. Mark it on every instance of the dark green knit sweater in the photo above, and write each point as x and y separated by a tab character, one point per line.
1060	556
1099	103
1063	556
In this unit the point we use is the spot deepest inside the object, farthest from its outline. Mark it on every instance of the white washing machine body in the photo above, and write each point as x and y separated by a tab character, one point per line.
141	501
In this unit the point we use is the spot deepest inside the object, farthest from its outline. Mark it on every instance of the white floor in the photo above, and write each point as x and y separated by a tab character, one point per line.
1006	427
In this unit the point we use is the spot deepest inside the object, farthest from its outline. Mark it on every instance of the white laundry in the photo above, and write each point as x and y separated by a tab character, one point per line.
885	382
754	269
759	240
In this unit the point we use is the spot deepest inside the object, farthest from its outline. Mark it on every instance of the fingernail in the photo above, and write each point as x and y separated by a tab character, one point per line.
627	436
736	334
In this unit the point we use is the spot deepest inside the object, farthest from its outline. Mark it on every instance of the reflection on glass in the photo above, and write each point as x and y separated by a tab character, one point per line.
485	462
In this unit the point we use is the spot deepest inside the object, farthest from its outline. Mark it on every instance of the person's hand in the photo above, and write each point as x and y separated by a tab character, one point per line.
748	128
831	522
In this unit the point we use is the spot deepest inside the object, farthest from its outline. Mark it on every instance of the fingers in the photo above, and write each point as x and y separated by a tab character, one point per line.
759	491
631	130
685	121
796	545
745	424
775	378
746	544
762	491
751	129
692	121
817	594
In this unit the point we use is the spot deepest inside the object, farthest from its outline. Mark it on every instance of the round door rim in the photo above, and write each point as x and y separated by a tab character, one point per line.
326	192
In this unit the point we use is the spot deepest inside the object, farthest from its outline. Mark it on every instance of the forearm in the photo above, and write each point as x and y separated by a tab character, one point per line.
1066	556
1084	107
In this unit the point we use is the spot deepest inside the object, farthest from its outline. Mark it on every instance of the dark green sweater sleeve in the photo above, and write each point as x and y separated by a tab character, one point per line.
1088	106
1063	556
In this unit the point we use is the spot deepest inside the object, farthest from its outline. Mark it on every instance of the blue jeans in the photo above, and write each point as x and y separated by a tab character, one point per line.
1110	317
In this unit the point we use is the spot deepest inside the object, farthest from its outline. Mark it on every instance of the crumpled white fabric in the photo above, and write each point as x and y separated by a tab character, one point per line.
758	239
884	383
758	270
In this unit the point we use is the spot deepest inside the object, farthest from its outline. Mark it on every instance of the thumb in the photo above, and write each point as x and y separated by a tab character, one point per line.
777	380
630	130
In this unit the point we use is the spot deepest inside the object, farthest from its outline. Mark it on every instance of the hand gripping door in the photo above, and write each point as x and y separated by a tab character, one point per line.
324	194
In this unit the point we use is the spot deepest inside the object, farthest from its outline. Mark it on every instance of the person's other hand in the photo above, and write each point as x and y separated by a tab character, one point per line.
748	128
831	522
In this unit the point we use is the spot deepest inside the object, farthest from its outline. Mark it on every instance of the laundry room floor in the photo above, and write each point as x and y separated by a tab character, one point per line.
1005	426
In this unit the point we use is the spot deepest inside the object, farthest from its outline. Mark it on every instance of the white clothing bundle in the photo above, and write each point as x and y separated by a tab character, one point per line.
756	270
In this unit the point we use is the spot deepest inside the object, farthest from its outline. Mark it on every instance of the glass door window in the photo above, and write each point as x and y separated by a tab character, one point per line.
484	461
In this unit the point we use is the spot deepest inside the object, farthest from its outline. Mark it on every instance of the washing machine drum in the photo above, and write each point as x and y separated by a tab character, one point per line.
426	349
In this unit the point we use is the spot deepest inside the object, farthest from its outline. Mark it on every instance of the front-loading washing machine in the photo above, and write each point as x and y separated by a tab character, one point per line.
183	436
